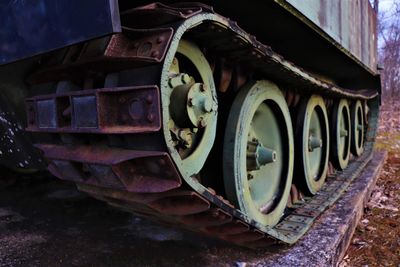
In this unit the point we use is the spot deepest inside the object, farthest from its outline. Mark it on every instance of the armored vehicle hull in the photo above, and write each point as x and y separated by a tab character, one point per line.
245	131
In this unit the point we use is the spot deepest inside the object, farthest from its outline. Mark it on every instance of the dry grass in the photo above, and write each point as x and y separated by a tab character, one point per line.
376	241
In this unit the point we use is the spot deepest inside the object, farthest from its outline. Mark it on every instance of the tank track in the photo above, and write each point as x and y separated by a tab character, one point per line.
106	153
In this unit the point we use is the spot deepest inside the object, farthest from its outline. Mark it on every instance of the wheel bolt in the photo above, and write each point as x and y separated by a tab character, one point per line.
207	106
149	99
202	123
185	78
178	80
160	40
150	117
190	102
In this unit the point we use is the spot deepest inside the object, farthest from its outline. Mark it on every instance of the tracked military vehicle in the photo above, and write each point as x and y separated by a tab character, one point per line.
243	120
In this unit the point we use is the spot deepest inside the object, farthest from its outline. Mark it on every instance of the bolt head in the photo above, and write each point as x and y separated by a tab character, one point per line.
160	40
201	123
155	54
150	117
149	99
185	78
207	106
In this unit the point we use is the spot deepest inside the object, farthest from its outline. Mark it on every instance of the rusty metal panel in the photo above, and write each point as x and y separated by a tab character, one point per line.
349	24
116	110
122	169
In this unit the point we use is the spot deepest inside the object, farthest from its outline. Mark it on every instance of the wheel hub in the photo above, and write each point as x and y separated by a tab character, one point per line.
258	155
189	107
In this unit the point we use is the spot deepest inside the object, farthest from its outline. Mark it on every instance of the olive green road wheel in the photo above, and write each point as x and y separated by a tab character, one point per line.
312	144
357	128
190	107
258	152
341	134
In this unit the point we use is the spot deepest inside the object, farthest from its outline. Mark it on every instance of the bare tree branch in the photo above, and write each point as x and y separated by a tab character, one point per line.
389	53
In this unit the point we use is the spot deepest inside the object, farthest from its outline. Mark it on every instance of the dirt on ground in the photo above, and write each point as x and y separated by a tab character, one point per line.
376	241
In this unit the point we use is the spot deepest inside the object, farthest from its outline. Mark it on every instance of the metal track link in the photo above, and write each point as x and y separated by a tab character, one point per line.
145	180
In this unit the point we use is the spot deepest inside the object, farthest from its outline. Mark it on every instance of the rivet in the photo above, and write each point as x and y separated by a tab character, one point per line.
201	123
160	40
150	117
155	54
149	99
122	99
